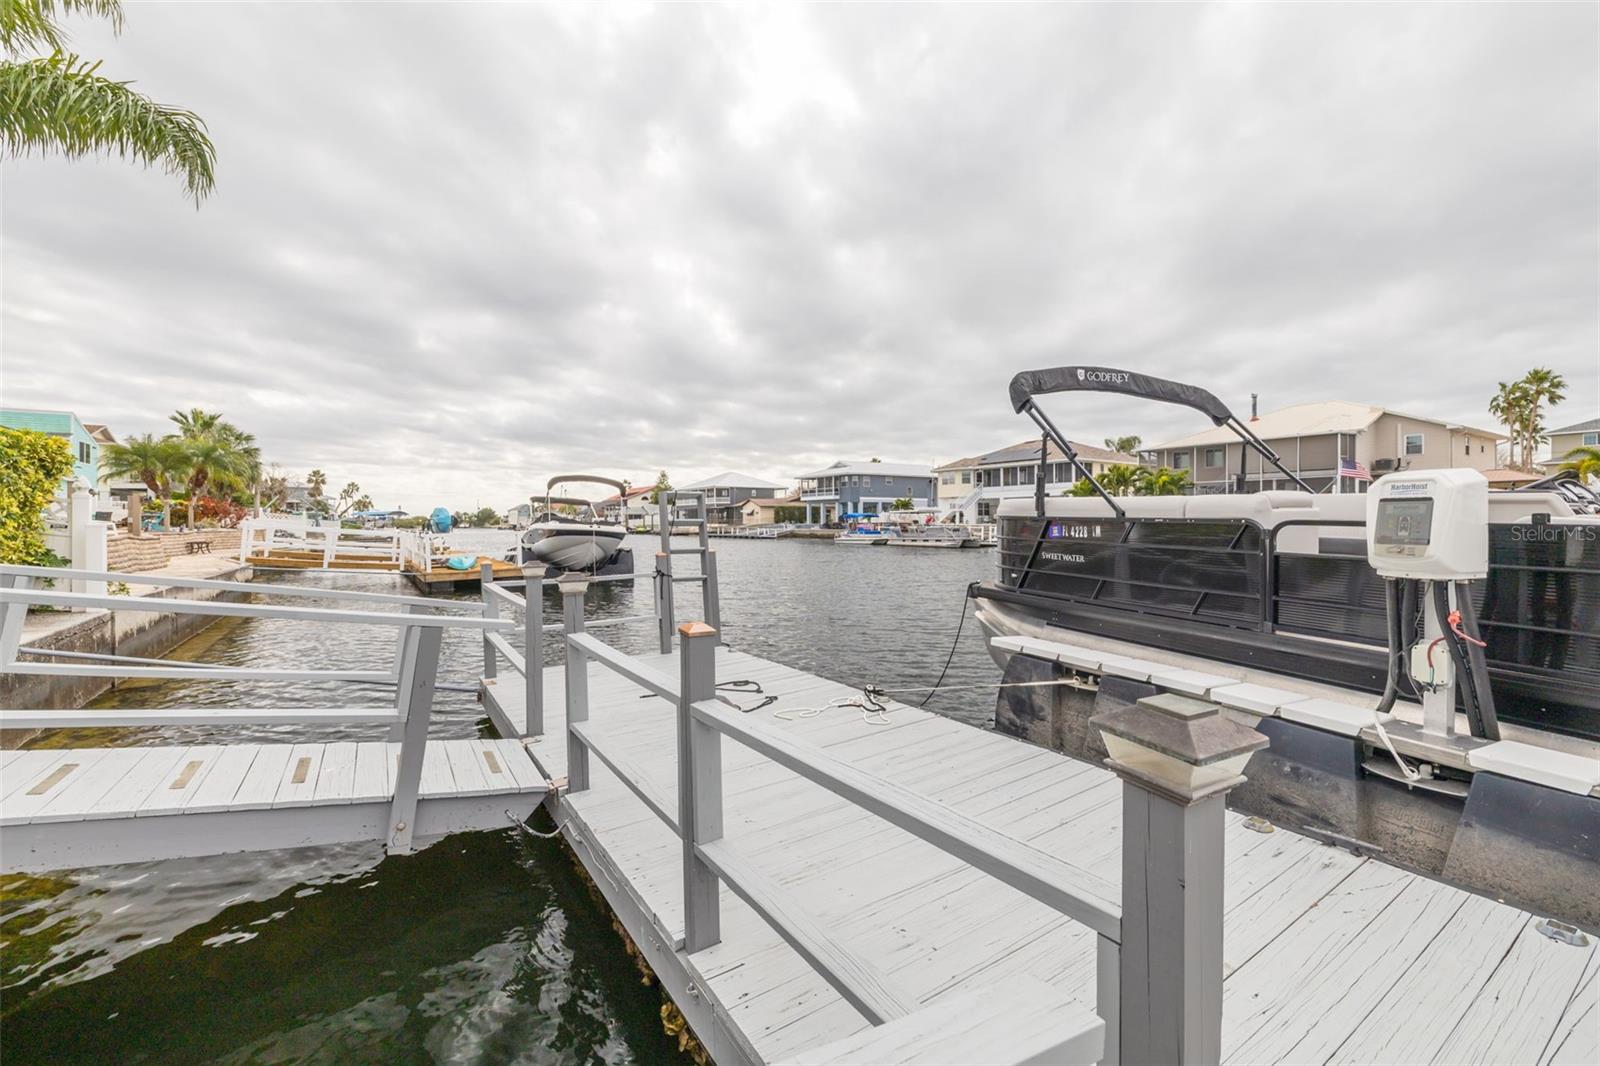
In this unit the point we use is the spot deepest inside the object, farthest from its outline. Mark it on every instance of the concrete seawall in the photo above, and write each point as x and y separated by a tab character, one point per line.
147	632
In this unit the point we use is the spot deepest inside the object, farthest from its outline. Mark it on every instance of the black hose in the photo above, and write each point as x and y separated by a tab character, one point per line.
1490	720
1466	682
1397	645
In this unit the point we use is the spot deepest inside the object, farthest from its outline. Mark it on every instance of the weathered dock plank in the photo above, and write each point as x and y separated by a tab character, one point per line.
1329	956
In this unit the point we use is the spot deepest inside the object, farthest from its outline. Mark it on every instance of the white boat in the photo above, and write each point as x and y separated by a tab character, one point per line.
935	535
865	534
570	533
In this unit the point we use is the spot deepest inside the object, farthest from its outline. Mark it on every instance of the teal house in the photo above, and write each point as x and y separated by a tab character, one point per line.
85	449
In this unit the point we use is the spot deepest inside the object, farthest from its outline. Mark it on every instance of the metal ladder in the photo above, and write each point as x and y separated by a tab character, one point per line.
666	579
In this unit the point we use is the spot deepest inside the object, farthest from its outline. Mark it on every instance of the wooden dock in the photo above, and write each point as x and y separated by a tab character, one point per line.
63	808
1328	957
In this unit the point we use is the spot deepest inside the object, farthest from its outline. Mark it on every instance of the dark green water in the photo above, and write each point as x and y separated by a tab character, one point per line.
484	948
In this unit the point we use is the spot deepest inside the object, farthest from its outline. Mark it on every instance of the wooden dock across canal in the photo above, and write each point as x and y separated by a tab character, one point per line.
1328	957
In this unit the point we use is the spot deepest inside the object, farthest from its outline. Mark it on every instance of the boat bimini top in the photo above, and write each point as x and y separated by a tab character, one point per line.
1031	383
550	503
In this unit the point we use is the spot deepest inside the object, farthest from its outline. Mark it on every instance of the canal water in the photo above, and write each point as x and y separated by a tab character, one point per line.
484	948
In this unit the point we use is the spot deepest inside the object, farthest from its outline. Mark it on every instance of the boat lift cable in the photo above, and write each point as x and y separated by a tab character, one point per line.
966	598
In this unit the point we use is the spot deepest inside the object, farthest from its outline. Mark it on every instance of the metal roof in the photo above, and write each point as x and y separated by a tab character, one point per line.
735	480
866	466
1313	419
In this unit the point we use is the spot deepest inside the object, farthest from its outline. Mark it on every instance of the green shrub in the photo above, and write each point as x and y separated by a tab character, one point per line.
32	465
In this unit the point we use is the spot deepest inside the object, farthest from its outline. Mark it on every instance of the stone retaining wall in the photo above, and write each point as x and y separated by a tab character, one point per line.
152	551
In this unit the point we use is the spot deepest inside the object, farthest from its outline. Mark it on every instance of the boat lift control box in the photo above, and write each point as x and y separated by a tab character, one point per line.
1430	525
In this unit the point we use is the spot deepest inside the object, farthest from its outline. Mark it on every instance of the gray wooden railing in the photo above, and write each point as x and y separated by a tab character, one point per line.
529	664
1158	934
414	674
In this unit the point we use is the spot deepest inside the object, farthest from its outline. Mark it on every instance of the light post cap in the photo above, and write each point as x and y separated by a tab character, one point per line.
572	584
533	571
1182	748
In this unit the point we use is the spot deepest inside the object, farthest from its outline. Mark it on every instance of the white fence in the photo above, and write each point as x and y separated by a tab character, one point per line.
397	549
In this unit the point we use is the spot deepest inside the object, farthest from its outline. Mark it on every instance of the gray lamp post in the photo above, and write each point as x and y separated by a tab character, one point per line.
1177	758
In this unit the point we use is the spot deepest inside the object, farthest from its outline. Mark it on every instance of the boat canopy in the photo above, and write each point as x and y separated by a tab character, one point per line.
1030	383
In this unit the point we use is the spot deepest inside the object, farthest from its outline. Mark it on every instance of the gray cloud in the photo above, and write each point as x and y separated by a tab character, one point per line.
457	248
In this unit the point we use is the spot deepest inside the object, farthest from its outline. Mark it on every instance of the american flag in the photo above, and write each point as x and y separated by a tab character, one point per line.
1351	468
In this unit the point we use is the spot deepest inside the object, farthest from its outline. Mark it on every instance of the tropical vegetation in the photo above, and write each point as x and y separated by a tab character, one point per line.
1520	406
1583	461
32	465
1126	445
663	484
208	457
61	104
1122	479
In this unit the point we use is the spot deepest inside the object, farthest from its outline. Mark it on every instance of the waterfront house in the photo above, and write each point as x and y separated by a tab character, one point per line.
632	508
971	489
85	449
763	511
1563	440
726	493
1329	445
864	487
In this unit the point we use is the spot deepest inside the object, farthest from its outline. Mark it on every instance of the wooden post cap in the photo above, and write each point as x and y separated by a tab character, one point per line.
1180	747
696	629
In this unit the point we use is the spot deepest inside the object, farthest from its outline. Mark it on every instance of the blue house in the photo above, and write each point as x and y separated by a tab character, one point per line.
864	487
85	449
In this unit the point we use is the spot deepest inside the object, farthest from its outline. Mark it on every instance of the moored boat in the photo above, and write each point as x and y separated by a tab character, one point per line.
568	533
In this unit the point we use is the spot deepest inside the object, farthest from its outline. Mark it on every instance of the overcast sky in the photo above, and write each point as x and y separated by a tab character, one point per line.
455	249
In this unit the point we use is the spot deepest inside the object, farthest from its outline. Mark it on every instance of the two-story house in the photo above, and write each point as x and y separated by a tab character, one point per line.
726	493
1577	435
971	489
632	508
864	487
1324	443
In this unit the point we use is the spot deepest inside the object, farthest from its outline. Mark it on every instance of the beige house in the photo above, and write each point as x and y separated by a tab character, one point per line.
1577	435
971	489
762	511
1312	439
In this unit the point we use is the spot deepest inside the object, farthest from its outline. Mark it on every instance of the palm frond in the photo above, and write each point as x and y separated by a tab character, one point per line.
30	24
60	104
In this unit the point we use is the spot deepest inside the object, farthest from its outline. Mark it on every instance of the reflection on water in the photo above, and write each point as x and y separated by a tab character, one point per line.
485	947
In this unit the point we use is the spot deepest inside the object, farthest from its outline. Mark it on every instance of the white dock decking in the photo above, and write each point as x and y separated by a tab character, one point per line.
68	807
1329	957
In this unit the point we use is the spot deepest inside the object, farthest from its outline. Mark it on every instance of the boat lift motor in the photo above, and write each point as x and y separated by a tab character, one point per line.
1432	526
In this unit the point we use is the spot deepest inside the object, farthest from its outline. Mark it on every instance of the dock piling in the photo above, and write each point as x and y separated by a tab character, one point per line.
1178	758
699	784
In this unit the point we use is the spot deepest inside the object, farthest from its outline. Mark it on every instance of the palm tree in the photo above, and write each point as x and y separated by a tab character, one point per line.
1510	405
61	104
1544	386
1125	445
316	481
1583	461
159	463
1119	479
195	422
211	458
1162	482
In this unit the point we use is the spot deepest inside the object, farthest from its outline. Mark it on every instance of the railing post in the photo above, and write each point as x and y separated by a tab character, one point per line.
1178	758
573	589
533	648
708	567
664	599
419	668
491	609
699	784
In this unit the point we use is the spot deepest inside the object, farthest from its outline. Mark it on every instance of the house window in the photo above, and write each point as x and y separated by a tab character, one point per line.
1347	445
1591	439
83	452
1413	443
1467	448
947	479
966	477
1182	460
1215	456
